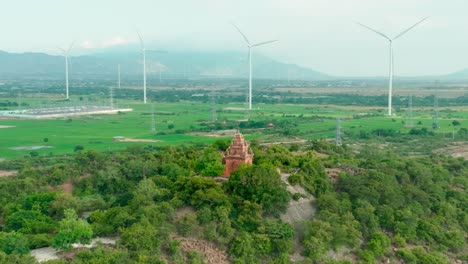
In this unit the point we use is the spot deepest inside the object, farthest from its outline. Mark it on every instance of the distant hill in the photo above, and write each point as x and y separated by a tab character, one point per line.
458	75
172	65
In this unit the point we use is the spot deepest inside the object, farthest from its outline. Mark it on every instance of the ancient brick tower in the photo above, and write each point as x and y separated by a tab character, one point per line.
238	153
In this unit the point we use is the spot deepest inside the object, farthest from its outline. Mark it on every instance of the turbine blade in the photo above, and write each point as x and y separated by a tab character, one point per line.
245	38
263	43
375	31
408	29
63	51
141	40
71	46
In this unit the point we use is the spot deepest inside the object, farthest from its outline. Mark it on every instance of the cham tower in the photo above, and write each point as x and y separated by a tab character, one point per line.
238	153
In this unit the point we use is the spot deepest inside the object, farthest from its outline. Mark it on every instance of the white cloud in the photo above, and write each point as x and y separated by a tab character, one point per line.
115	41
88	44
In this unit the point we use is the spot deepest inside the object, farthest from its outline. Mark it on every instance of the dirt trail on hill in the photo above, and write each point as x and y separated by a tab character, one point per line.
211	253
298	212
4	173
301	209
457	150
49	253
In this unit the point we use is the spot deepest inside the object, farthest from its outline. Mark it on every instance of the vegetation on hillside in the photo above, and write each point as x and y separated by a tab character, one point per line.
382	206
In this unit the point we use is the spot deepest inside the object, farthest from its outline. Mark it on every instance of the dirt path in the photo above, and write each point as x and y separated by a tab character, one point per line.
67	186
457	150
301	209
299	141
211	253
297	212
49	253
31	147
4	173
136	140
218	133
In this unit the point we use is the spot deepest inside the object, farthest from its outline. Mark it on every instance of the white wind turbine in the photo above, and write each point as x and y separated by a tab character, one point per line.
390	40
143	51
65	53
250	46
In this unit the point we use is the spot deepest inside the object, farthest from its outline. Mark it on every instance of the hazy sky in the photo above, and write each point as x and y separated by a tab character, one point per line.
320	34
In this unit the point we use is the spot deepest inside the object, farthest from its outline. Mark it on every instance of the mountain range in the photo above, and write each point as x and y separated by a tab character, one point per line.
171	65
104	64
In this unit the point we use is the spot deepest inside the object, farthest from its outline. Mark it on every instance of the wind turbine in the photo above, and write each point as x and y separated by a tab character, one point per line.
391	40
65	54
143	51
250	46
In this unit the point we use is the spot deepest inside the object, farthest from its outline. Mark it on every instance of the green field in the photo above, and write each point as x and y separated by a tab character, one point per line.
173	121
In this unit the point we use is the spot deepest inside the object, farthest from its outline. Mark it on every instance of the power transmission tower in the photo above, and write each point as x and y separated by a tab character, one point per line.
435	111
409	121
19	100
213	108
338	139
153	122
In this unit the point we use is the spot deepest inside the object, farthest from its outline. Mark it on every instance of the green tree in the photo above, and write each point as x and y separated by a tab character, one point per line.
378	244
13	243
199	191
29	222
78	148
72	230
187	224
194	257
17	259
259	184
317	238
456	123
144	194
243	249
141	237
209	163
63	201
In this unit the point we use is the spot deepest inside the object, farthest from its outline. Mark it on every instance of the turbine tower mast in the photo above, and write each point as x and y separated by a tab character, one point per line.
65	53
391	40
143	51
250	46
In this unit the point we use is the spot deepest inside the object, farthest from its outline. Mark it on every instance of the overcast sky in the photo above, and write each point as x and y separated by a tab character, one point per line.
320	34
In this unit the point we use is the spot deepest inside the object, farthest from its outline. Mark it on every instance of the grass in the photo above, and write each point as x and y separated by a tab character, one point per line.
97	131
